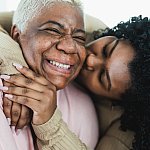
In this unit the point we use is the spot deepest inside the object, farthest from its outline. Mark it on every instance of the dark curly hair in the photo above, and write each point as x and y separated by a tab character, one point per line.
136	99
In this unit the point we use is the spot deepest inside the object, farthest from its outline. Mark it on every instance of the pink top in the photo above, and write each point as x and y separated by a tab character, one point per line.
79	113
77	110
9	139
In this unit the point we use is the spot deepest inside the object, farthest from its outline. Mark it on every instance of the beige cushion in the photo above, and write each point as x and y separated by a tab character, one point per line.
6	20
93	24
10	53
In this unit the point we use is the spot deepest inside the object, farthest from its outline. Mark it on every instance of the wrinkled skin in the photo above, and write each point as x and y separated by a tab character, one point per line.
56	34
53	46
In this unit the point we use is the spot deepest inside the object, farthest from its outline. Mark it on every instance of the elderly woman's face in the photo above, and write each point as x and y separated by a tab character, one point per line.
106	71
53	43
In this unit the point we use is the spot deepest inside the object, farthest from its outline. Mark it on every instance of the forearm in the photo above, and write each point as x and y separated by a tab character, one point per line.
55	135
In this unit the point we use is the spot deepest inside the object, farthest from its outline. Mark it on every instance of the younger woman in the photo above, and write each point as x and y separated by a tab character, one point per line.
118	67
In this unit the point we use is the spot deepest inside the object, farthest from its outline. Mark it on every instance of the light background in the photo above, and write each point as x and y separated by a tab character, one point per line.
110	12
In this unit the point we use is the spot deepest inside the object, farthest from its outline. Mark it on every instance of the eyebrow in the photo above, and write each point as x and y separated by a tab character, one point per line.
107	73
116	43
79	30
61	26
53	22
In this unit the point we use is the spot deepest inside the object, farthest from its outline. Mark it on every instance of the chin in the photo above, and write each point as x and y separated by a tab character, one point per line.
60	85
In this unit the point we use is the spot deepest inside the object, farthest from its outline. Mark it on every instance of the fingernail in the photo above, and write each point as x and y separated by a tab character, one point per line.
5	77
18	66
18	131
9	96
9	121
3	88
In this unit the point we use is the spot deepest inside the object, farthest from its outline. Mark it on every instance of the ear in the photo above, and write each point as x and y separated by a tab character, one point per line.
15	33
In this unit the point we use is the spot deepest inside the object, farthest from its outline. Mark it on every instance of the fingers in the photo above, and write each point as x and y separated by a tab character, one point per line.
7	105
20	80
31	103
25	117
15	114
30	74
19	115
24	92
43	110
32	91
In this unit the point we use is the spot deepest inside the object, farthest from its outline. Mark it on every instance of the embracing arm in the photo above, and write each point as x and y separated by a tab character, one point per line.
55	134
37	93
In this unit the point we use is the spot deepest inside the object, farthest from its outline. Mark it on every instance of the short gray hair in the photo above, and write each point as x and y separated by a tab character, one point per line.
27	9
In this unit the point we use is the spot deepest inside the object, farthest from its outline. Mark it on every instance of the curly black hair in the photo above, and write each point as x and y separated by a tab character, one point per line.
136	99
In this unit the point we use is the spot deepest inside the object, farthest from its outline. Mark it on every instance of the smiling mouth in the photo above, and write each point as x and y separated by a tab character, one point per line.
60	65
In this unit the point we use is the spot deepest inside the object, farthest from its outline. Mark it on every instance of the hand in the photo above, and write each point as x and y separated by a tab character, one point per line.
32	90
19	115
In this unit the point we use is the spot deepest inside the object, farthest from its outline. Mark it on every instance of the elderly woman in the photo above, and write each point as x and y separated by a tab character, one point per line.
52	37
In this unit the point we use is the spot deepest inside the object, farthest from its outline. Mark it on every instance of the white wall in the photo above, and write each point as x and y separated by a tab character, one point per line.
2	5
110	12
8	5
114	11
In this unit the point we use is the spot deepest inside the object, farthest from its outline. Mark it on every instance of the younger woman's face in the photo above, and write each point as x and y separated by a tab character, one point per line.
106	71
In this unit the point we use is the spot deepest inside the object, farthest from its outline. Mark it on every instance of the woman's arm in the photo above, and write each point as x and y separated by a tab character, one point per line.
55	134
35	92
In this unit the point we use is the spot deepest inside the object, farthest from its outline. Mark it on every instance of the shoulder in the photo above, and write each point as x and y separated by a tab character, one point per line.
115	138
76	101
82	106
78	95
79	112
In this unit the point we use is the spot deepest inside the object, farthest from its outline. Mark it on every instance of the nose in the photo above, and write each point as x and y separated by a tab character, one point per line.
93	62
67	45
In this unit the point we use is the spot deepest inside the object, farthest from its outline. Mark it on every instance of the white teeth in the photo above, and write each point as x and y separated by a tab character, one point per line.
59	65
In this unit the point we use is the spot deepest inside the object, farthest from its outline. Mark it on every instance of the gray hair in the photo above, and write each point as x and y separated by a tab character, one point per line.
27	9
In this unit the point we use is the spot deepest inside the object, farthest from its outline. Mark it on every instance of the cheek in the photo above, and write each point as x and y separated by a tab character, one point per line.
32	54
118	69
30	58
82	53
44	43
36	47
90	80
120	77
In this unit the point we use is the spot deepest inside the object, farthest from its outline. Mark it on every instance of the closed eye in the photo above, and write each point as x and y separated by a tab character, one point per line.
104	52
102	73
53	31
79	39
104	79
